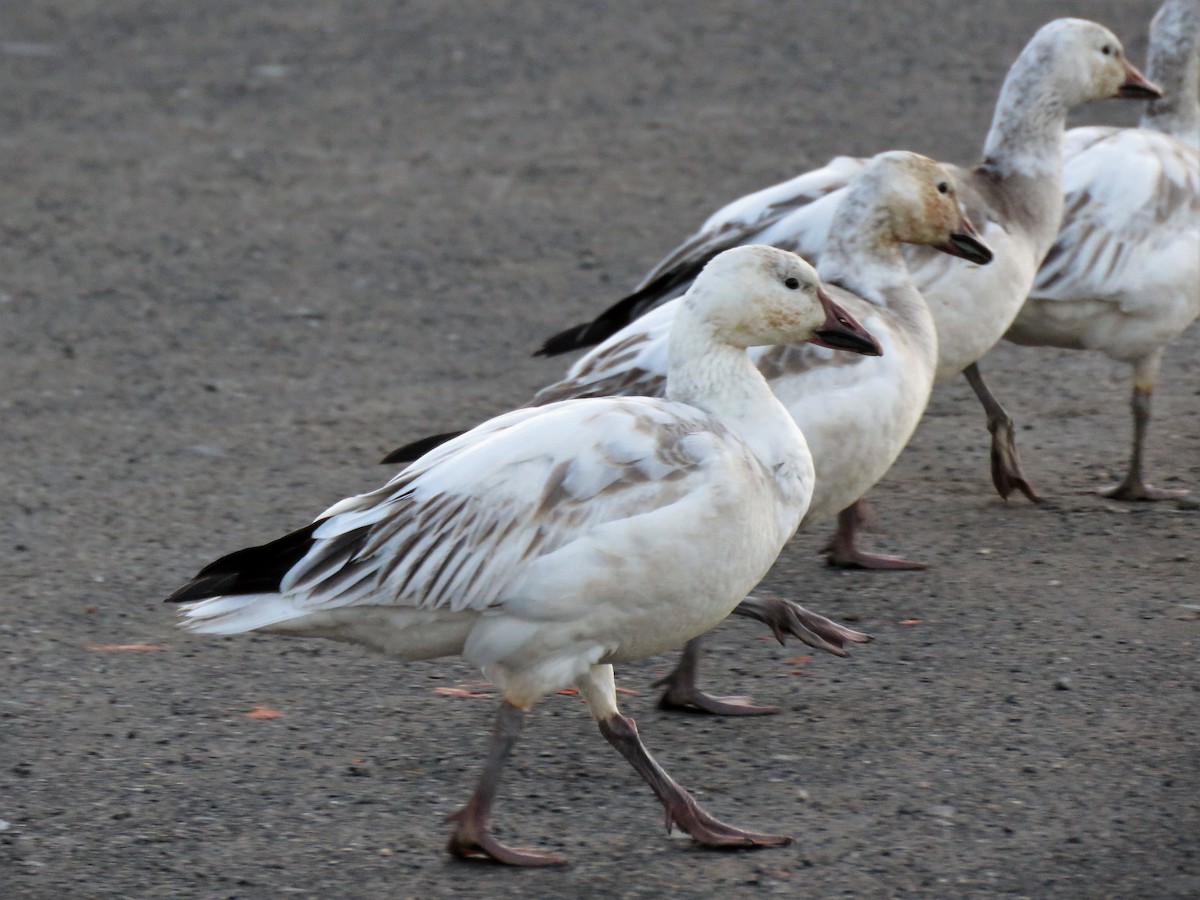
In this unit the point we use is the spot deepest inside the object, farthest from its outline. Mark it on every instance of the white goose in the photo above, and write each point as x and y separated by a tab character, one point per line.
856	413
1124	275
550	543
1014	196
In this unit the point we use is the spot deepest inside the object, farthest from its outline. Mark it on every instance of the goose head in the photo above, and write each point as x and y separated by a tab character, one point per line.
755	295
918	201
1085	61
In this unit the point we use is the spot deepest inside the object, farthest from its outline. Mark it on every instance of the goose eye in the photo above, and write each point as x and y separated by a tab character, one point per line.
943	187
791	284
1107	50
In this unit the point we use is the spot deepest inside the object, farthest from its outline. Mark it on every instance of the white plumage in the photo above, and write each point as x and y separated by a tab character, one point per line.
857	413
1123	276
1014	196
549	543
532	524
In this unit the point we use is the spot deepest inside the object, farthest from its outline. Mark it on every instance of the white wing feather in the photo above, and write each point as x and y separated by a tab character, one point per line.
1132	218
456	529
1123	275
749	219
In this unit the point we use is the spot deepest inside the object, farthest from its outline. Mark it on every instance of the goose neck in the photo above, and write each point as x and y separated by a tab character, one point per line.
863	250
719	378
1173	63
1026	135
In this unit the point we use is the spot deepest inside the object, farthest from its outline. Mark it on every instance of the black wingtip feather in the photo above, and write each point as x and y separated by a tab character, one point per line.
414	450
621	313
253	570
574	338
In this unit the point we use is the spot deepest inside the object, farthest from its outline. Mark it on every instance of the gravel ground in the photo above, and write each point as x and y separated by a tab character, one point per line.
247	248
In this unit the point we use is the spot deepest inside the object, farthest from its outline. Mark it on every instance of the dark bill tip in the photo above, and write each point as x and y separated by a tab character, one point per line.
1139	92
968	247
1137	86
841	332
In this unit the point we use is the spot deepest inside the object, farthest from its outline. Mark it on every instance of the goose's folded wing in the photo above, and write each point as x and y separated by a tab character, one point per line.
456	529
631	363
1131	220
746	220
1077	140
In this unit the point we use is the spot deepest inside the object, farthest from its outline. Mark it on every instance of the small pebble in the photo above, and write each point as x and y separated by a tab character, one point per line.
1062	683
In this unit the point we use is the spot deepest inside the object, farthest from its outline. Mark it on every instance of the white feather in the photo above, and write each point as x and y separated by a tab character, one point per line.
548	540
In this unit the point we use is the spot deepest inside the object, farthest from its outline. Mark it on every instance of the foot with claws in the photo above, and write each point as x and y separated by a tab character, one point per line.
472	837
1134	487
681	807
784	617
1006	463
842	553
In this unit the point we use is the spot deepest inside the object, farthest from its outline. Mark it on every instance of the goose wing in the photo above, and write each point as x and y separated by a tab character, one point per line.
746	220
1131	222
460	526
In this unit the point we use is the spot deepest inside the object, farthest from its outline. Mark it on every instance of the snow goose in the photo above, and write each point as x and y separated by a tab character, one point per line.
1014	195
550	543
856	413
857	417
1123	277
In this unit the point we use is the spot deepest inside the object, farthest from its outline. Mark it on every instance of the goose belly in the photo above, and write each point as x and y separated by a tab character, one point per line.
973	306
856	431
650	585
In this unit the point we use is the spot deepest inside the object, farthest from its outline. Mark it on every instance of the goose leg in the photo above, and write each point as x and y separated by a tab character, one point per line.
1133	487
682	693
681	807
472	837
841	553
1006	462
599	691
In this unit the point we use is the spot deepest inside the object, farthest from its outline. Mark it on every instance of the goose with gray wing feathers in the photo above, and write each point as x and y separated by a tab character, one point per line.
550	543
1123	276
857	414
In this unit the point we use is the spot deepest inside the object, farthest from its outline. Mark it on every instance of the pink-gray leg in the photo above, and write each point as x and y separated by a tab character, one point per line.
681	807
472	837
1006	463
841	551
1134	487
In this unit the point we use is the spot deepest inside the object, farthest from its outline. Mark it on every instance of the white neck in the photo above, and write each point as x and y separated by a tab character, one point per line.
1174	64
721	380
862	254
1026	136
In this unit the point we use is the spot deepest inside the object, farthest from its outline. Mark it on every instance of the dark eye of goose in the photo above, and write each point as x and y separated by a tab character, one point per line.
791	284
943	187
1107	50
